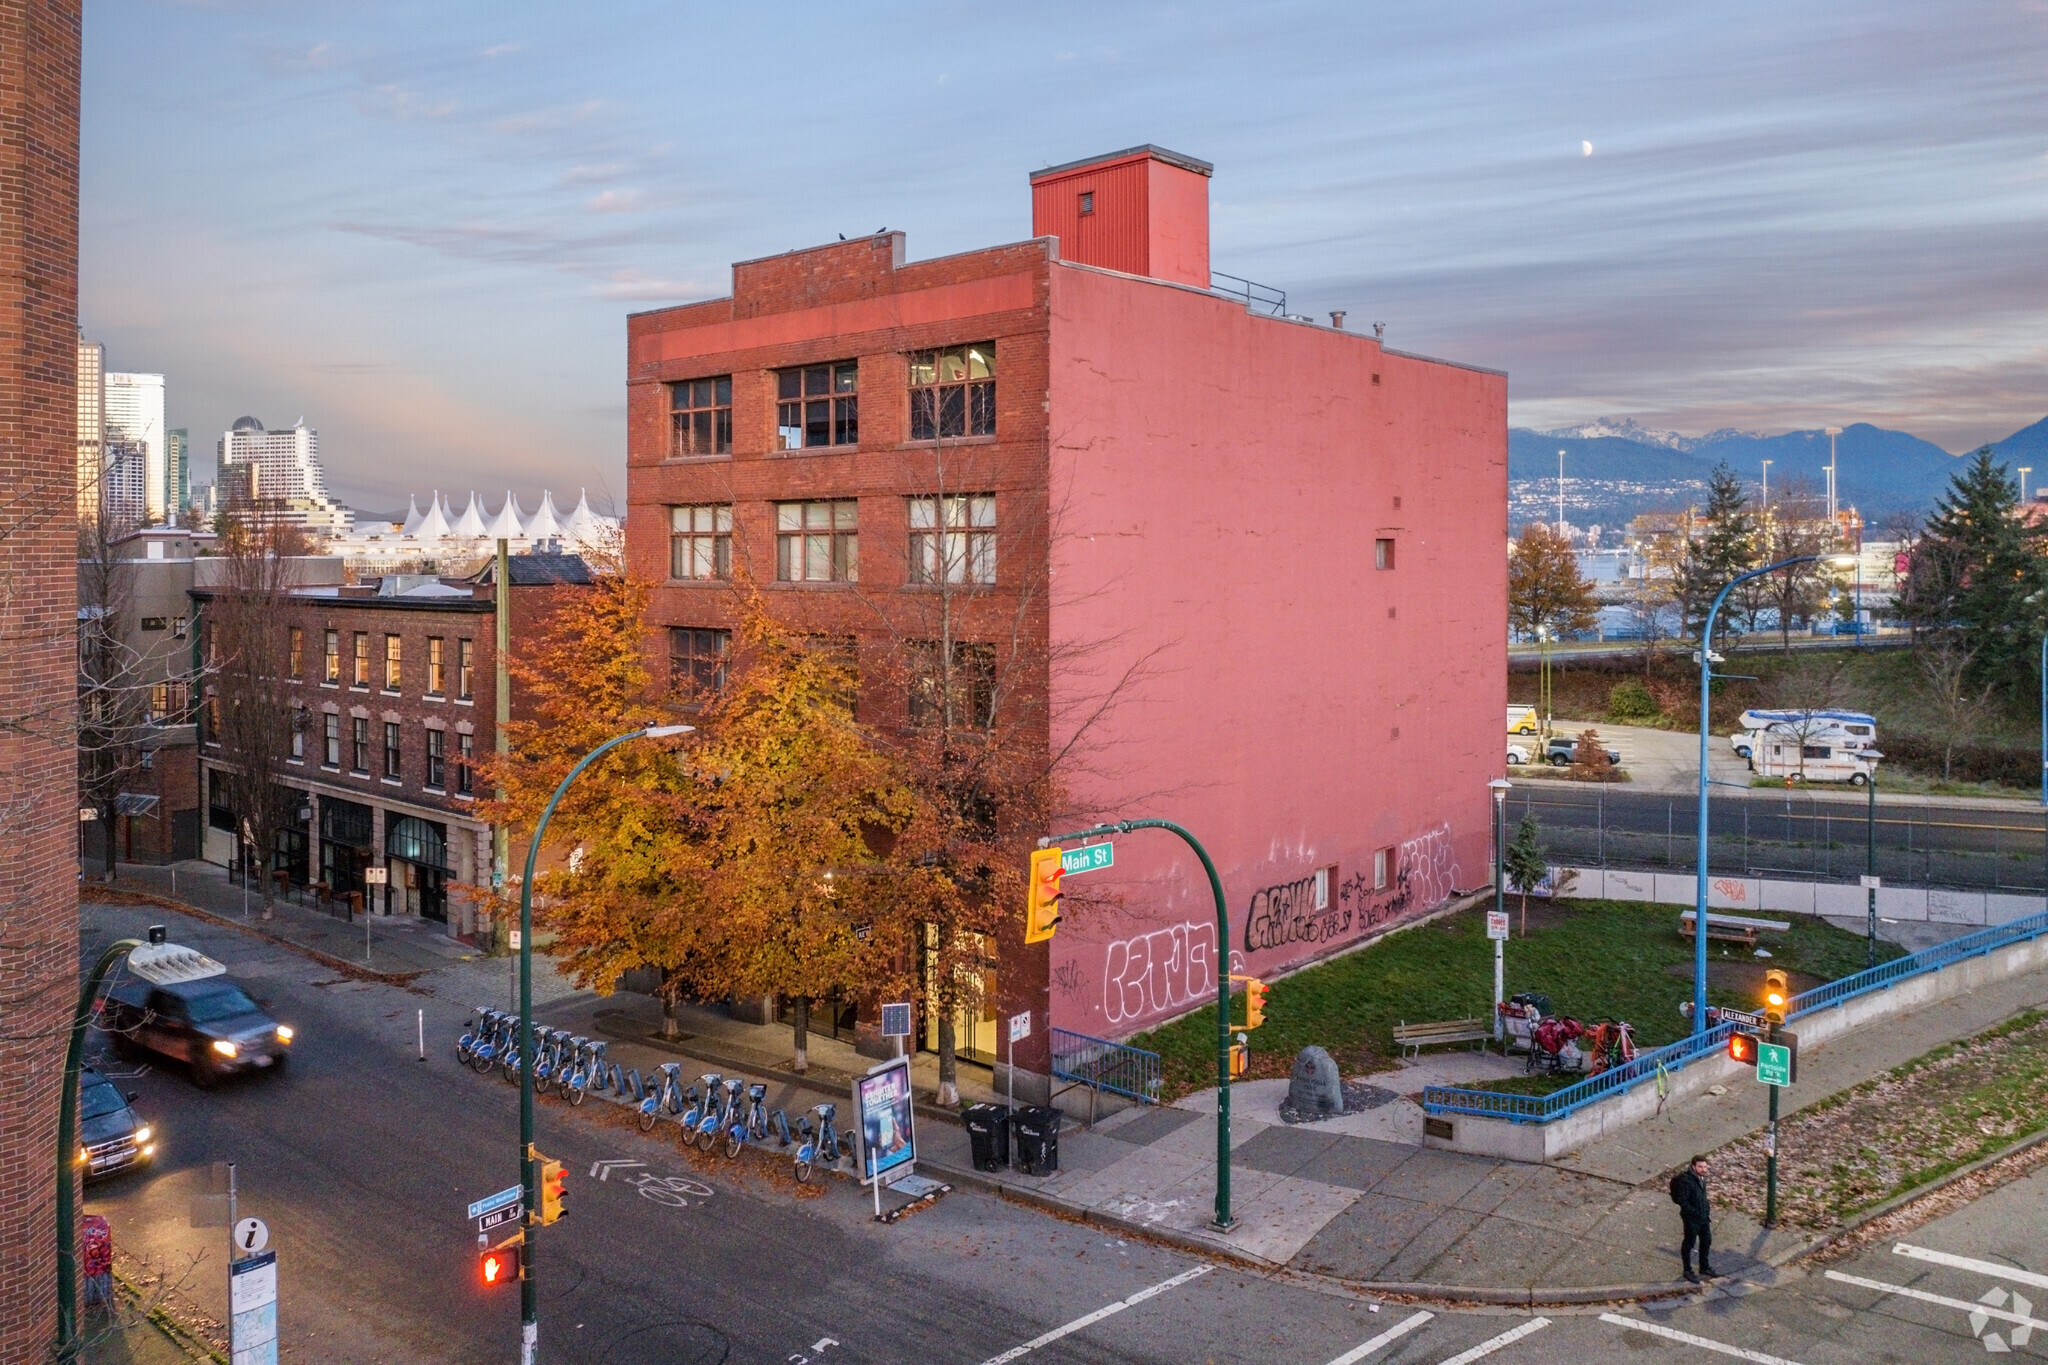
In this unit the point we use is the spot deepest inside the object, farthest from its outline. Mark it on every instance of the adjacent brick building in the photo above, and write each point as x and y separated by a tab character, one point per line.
395	682
1254	561
39	83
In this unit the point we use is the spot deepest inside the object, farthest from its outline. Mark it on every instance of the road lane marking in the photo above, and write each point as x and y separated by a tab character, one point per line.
1658	1329
602	1170
2004	1315
1394	1333
1991	1268
1097	1316
1487	1348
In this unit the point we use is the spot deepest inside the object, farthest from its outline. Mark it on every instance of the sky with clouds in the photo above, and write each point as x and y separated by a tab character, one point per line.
421	225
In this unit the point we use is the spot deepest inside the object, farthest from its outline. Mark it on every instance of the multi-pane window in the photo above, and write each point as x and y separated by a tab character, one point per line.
465	669
465	764
696	658
298	653
331	754
359	742
818	406
701	413
953	392
394	658
169	702
700	541
962	694
437	666
818	542
362	659
437	758
392	755
953	539
330	667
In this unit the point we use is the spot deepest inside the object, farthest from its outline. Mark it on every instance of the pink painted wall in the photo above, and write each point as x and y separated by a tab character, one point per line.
1218	481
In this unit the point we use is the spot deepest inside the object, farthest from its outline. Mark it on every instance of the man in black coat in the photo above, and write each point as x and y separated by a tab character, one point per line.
1689	1192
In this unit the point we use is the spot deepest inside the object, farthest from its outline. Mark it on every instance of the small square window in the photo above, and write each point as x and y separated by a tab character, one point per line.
1382	869
1383	554
1087	201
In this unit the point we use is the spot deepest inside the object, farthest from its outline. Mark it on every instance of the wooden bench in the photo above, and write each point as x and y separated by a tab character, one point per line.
1415	1037
1733	928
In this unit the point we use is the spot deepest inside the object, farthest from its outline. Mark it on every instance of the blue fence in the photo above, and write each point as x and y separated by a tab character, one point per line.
1444	1099
1103	1065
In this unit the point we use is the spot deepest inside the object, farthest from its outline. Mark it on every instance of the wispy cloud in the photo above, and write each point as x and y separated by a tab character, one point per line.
615	201
635	286
503	49
395	102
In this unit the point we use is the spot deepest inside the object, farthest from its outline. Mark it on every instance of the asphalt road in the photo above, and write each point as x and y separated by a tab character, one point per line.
1792	832
361	1159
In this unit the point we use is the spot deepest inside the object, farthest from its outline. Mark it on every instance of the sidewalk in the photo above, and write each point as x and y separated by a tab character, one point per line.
1359	1199
399	945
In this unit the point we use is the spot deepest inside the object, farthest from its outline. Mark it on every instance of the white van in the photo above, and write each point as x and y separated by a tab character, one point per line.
1521	720
1816	760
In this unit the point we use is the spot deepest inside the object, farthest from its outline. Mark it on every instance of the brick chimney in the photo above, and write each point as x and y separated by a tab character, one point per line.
1144	211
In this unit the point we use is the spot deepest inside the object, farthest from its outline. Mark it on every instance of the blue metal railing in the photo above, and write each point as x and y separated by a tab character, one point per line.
1445	1099
1103	1065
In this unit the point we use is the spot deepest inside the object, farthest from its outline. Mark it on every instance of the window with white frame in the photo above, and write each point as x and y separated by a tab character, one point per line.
953	539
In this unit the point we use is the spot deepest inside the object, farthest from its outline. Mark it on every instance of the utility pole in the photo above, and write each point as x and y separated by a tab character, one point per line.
1870	880
1560	495
1833	432
1767	487
501	696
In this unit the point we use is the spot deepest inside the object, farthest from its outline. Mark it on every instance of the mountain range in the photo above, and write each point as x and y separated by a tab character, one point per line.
1878	470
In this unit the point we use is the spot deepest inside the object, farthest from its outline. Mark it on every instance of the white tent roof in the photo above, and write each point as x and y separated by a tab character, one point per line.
470	525
583	525
547	522
510	523
434	525
412	515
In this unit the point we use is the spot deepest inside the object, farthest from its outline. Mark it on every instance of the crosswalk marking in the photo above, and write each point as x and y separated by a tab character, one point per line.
1658	1329
1991	1268
1907	1291
1487	1348
1394	1333
1098	1315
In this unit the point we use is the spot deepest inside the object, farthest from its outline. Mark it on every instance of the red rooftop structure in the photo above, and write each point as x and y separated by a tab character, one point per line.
1238	569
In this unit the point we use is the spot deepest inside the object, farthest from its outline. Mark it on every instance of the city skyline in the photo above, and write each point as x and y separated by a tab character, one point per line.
428	235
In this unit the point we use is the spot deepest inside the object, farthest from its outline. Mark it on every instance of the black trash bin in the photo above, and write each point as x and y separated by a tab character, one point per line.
988	1132
1038	1139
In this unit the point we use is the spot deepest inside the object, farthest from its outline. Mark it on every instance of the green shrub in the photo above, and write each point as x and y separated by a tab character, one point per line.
1630	701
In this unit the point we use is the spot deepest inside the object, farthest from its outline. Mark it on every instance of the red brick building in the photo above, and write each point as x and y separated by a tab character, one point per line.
395	681
1253	560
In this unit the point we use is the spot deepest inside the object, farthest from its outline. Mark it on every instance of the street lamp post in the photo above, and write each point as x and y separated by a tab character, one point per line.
1833	432
529	1287
1224	1221
161	964
1560	495
1767	487
1699	918
1499	787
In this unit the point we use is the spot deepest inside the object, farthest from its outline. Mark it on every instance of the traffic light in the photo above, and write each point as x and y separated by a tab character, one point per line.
554	1182
1254	1001
1240	1060
1042	911
1777	993
1742	1048
498	1265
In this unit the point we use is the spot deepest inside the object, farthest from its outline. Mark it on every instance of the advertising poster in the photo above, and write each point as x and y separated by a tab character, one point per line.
881	1099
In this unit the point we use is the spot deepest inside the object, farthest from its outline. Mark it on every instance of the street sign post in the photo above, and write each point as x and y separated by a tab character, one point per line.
1020	1027
251	1236
1497	930
1087	858
1496	925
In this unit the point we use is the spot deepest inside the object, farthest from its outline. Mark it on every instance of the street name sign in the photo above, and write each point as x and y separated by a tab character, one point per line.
1088	858
511	1194
1774	1063
1722	1014
499	1217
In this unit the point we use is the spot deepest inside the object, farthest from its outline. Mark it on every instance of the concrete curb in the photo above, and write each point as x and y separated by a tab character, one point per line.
354	970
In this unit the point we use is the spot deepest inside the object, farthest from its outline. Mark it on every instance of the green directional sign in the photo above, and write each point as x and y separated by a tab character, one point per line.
1088	858
1774	1063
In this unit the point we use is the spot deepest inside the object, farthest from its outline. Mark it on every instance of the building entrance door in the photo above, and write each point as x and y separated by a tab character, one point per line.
416	851
974	1014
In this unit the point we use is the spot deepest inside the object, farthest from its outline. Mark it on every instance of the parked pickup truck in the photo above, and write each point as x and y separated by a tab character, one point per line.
1560	751
211	1025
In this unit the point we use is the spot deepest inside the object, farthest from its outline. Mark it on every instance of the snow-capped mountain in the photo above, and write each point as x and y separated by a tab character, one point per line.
1629	429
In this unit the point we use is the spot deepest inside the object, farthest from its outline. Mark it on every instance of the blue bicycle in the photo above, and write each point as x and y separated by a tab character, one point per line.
664	1095
822	1144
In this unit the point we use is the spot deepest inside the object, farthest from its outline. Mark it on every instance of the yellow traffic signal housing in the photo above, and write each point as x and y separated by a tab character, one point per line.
1240	1061
554	1182
1254	1001
1777	994
1042	909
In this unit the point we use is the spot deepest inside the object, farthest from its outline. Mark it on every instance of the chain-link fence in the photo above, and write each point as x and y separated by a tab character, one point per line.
1793	835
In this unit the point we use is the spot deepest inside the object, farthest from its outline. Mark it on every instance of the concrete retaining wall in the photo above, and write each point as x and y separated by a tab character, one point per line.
1753	895
1541	1142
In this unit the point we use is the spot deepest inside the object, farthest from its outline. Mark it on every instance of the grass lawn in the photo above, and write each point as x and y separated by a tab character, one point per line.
1910	1126
1594	959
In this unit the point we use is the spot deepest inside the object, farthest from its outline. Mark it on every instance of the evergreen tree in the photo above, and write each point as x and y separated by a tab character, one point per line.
1978	572
1527	863
1726	548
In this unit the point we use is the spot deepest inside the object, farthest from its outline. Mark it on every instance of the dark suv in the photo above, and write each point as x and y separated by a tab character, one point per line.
1560	751
110	1137
211	1025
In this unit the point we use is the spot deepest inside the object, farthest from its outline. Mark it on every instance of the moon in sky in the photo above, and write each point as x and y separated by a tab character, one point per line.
1585	149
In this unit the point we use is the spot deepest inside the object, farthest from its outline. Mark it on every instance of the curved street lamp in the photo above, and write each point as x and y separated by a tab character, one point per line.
529	1287
1699	914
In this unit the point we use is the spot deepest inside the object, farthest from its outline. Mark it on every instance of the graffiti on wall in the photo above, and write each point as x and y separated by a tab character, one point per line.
1291	913
1425	874
1158	972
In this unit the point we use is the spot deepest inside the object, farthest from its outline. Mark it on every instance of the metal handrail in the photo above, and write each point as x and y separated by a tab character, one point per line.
1446	1099
1103	1065
1255	295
